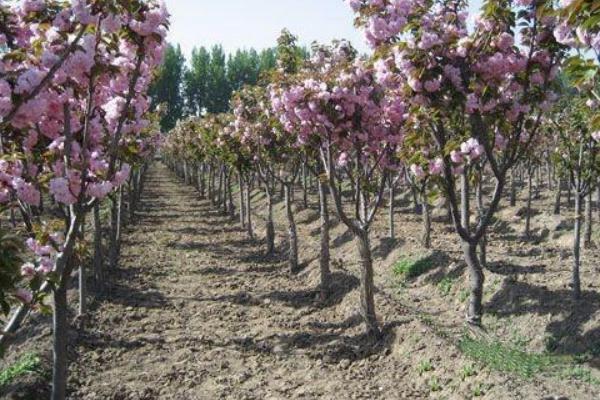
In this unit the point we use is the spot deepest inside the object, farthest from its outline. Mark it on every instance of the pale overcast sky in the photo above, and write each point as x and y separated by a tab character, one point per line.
257	23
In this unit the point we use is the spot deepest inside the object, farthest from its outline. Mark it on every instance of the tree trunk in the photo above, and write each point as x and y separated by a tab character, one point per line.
114	232
292	234
60	339
464	201
249	211
304	187
426	218
270	228
83	293
97	263
513	188
528	205
558	195
476	278
480	211
598	199
392	195
186	173
131	200
202	182
230	204
64	268
587	230
220	189
324	256
367	287
576	282
242	201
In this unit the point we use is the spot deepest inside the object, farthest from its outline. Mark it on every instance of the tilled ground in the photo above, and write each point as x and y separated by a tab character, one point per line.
196	312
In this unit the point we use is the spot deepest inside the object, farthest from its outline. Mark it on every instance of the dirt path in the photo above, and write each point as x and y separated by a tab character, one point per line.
196	313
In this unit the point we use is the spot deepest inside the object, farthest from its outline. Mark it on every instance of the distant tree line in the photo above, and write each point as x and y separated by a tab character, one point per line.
206	81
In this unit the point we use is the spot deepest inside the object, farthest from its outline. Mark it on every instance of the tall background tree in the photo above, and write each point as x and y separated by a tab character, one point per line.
167	87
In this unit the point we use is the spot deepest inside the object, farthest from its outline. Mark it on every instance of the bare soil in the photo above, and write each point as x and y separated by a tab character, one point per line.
196	312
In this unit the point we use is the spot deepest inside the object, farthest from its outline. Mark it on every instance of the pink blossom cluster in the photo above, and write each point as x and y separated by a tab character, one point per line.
73	105
350	111
14	185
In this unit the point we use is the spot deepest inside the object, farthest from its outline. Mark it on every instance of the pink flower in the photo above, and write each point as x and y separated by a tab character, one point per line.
27	270
456	157
99	190
23	295
59	187
29	6
432	85
5	98
122	176
417	171
26	192
28	80
436	167
343	159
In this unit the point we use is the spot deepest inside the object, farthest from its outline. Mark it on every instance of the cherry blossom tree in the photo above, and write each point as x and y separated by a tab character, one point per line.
473	92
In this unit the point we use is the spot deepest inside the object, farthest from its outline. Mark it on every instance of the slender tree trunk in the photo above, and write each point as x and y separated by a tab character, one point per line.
97	264
292	234
576	282
464	201
83	292
270	226
528	205
392	196
513	188
60	339
119	222
242	201
230	204
114	228
202	181
304	187
186	173
426	218
324	256
249	211
598	200
476	279
587	230
220	188
367	287
480	211
131	200
558	195
64	268
224	200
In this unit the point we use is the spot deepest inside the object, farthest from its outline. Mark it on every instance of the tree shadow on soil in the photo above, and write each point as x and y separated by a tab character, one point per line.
342	239
386	246
565	334
331	348
504	268
341	285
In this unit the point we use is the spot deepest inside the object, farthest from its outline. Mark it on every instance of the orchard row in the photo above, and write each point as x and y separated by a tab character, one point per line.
75	129
442	104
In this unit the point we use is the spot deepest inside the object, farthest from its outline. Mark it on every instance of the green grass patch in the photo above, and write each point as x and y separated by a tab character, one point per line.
445	286
408	268
511	359
505	358
28	364
424	366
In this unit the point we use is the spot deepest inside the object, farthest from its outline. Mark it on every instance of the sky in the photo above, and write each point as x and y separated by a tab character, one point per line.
257	23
